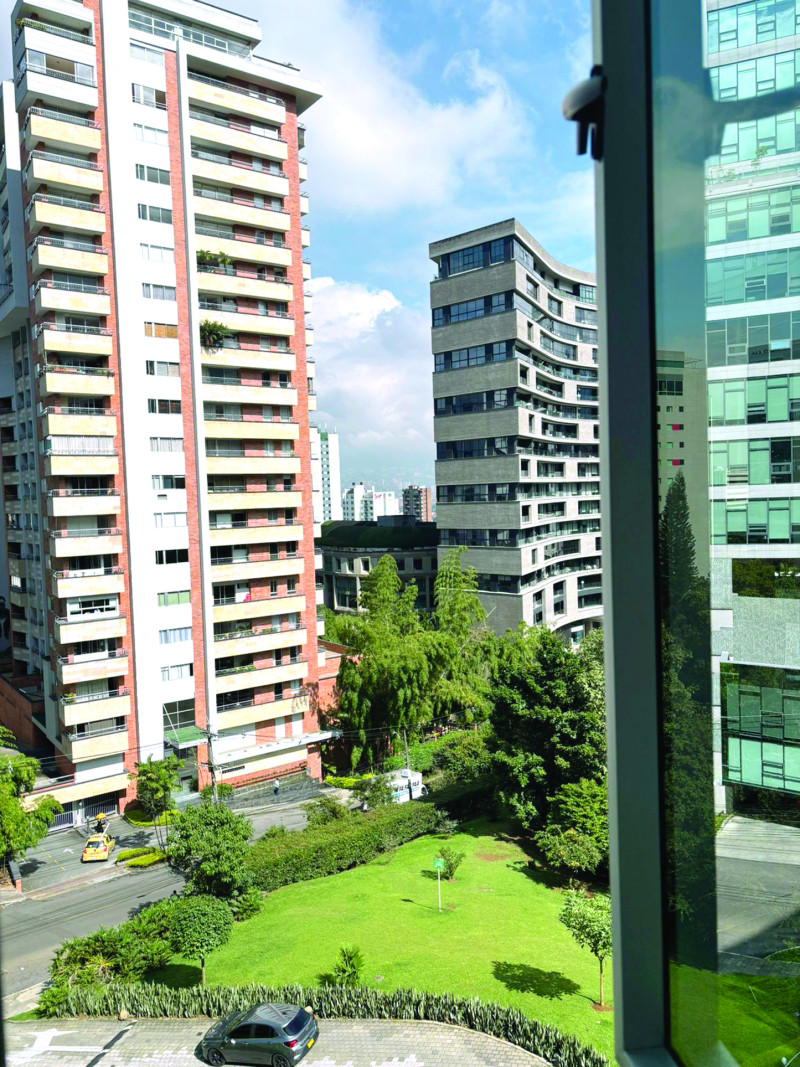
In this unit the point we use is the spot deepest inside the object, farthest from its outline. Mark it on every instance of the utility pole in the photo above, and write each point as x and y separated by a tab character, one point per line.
405	747
211	737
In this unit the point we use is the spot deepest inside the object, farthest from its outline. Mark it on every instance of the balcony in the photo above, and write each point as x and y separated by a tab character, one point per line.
271	323
75	381
241	248
62	503
73	340
234	610
74	464
257	103
242	283
221	205
239	175
84	746
235	355
228	390
303	170
37	83
229	426
236	499
244	570
81	422
72	669
257	534
71	297
51	253
250	713
59	129
90	627
251	677
94	581
61	212
260	639
57	31
67	172
104	541
231	134
68	789
237	463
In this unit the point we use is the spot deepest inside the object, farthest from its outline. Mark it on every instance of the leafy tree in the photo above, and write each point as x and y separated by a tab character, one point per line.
323	810
200	924
452	860
576	835
676	545
212	333
22	824
386	603
547	731
463	756
348	967
588	919
208	844
373	792
590	658
155	780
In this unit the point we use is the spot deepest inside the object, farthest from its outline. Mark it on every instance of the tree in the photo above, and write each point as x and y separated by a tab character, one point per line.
676	546
213	334
547	730
373	792
200	924
22	823
208	844
588	919
386	603
323	810
453	859
576	835
155	780
590	658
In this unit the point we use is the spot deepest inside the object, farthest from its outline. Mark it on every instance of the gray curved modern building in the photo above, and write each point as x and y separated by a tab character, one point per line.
514	337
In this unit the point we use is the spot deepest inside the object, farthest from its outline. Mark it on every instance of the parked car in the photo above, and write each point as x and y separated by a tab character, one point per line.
276	1034
97	847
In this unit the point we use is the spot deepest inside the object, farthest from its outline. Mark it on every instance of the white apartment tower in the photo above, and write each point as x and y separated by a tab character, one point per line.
514	336
156	466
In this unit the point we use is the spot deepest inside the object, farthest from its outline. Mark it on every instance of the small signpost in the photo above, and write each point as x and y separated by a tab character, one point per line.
438	866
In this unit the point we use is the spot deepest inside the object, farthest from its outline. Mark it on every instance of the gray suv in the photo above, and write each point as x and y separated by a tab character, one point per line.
276	1034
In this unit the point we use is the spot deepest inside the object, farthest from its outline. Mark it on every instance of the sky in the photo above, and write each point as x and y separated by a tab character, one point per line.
437	116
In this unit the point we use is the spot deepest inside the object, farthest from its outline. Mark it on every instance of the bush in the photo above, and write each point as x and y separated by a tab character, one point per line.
213	333
374	792
303	854
347	781
325	810
331	1002
154	856
132	853
136	816
224	789
348	967
246	904
452	860
444	824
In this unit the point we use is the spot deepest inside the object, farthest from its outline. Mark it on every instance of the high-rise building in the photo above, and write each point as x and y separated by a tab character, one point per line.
331	475
156	467
361	503
515	422
753	342
418	503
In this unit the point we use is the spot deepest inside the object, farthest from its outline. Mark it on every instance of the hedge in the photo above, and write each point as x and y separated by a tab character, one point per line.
155	856
304	854
330	1002
346	781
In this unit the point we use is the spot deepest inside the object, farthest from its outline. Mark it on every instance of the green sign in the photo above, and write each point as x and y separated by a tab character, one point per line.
438	864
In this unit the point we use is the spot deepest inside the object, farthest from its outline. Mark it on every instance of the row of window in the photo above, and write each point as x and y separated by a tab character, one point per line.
764	461
476	538
481	306
466	403
754	400
179	596
773	135
753	339
751	23
755	77
768	213
755	522
756	276
152	213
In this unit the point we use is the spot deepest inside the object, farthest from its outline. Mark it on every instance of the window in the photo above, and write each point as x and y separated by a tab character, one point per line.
168	600
166	444
152	174
158	292
147	55
169	519
152	213
143	94
163	369
555	306
171	555
176	671
157	253
175	635
169	481
163	407
152	135
164	330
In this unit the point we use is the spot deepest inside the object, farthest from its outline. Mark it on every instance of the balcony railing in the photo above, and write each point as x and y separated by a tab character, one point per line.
95	657
68	243
90	572
257	631
60	116
61	368
208	417
66	161
90	616
82	492
66	327
276	171
232	124
77	410
60	201
107	531
82	698
240	201
244	489
220	232
243	90
77	79
58	31
77	449
69	287
236	345
229	561
87	734
234	309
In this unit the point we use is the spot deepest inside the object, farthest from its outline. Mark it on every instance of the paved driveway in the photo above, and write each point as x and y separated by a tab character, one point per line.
171	1043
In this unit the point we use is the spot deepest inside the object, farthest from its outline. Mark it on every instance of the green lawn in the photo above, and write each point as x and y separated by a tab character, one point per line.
498	938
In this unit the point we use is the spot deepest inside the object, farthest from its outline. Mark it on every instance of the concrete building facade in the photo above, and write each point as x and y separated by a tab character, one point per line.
362	503
331	476
418	502
515	423
156	461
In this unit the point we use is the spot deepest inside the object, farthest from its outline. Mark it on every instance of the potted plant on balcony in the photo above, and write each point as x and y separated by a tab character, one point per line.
213	334
212	259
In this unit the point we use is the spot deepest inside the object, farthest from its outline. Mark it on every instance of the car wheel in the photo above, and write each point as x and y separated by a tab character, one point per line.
280	1061
215	1058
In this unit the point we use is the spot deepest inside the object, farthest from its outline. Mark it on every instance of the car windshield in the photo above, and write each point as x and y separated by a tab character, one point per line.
297	1024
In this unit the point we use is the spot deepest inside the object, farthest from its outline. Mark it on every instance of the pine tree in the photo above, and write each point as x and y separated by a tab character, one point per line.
676	548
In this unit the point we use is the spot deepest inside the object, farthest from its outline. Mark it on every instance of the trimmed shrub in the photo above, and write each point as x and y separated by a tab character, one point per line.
332	1002
325	810
132	853
224	789
346	781
304	854
155	856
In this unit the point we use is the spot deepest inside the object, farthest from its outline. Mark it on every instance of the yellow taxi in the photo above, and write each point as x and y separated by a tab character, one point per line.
97	847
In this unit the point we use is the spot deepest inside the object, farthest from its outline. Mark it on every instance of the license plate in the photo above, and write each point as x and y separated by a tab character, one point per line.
310	1042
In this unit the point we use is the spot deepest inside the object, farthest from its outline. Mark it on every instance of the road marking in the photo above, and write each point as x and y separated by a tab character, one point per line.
43	1042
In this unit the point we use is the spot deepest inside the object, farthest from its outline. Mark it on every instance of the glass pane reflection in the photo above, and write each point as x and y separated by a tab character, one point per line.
726	194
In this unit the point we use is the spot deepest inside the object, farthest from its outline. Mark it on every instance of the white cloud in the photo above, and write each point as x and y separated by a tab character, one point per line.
373	380
378	144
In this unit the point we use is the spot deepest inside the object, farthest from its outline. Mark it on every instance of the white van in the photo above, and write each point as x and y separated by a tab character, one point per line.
406	785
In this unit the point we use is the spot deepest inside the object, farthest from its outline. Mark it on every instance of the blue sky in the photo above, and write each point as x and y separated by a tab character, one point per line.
438	116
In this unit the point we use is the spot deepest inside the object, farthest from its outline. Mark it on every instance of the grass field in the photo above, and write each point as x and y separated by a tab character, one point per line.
498	937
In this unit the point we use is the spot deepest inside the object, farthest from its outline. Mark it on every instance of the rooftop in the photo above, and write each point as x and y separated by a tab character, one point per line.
343	534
